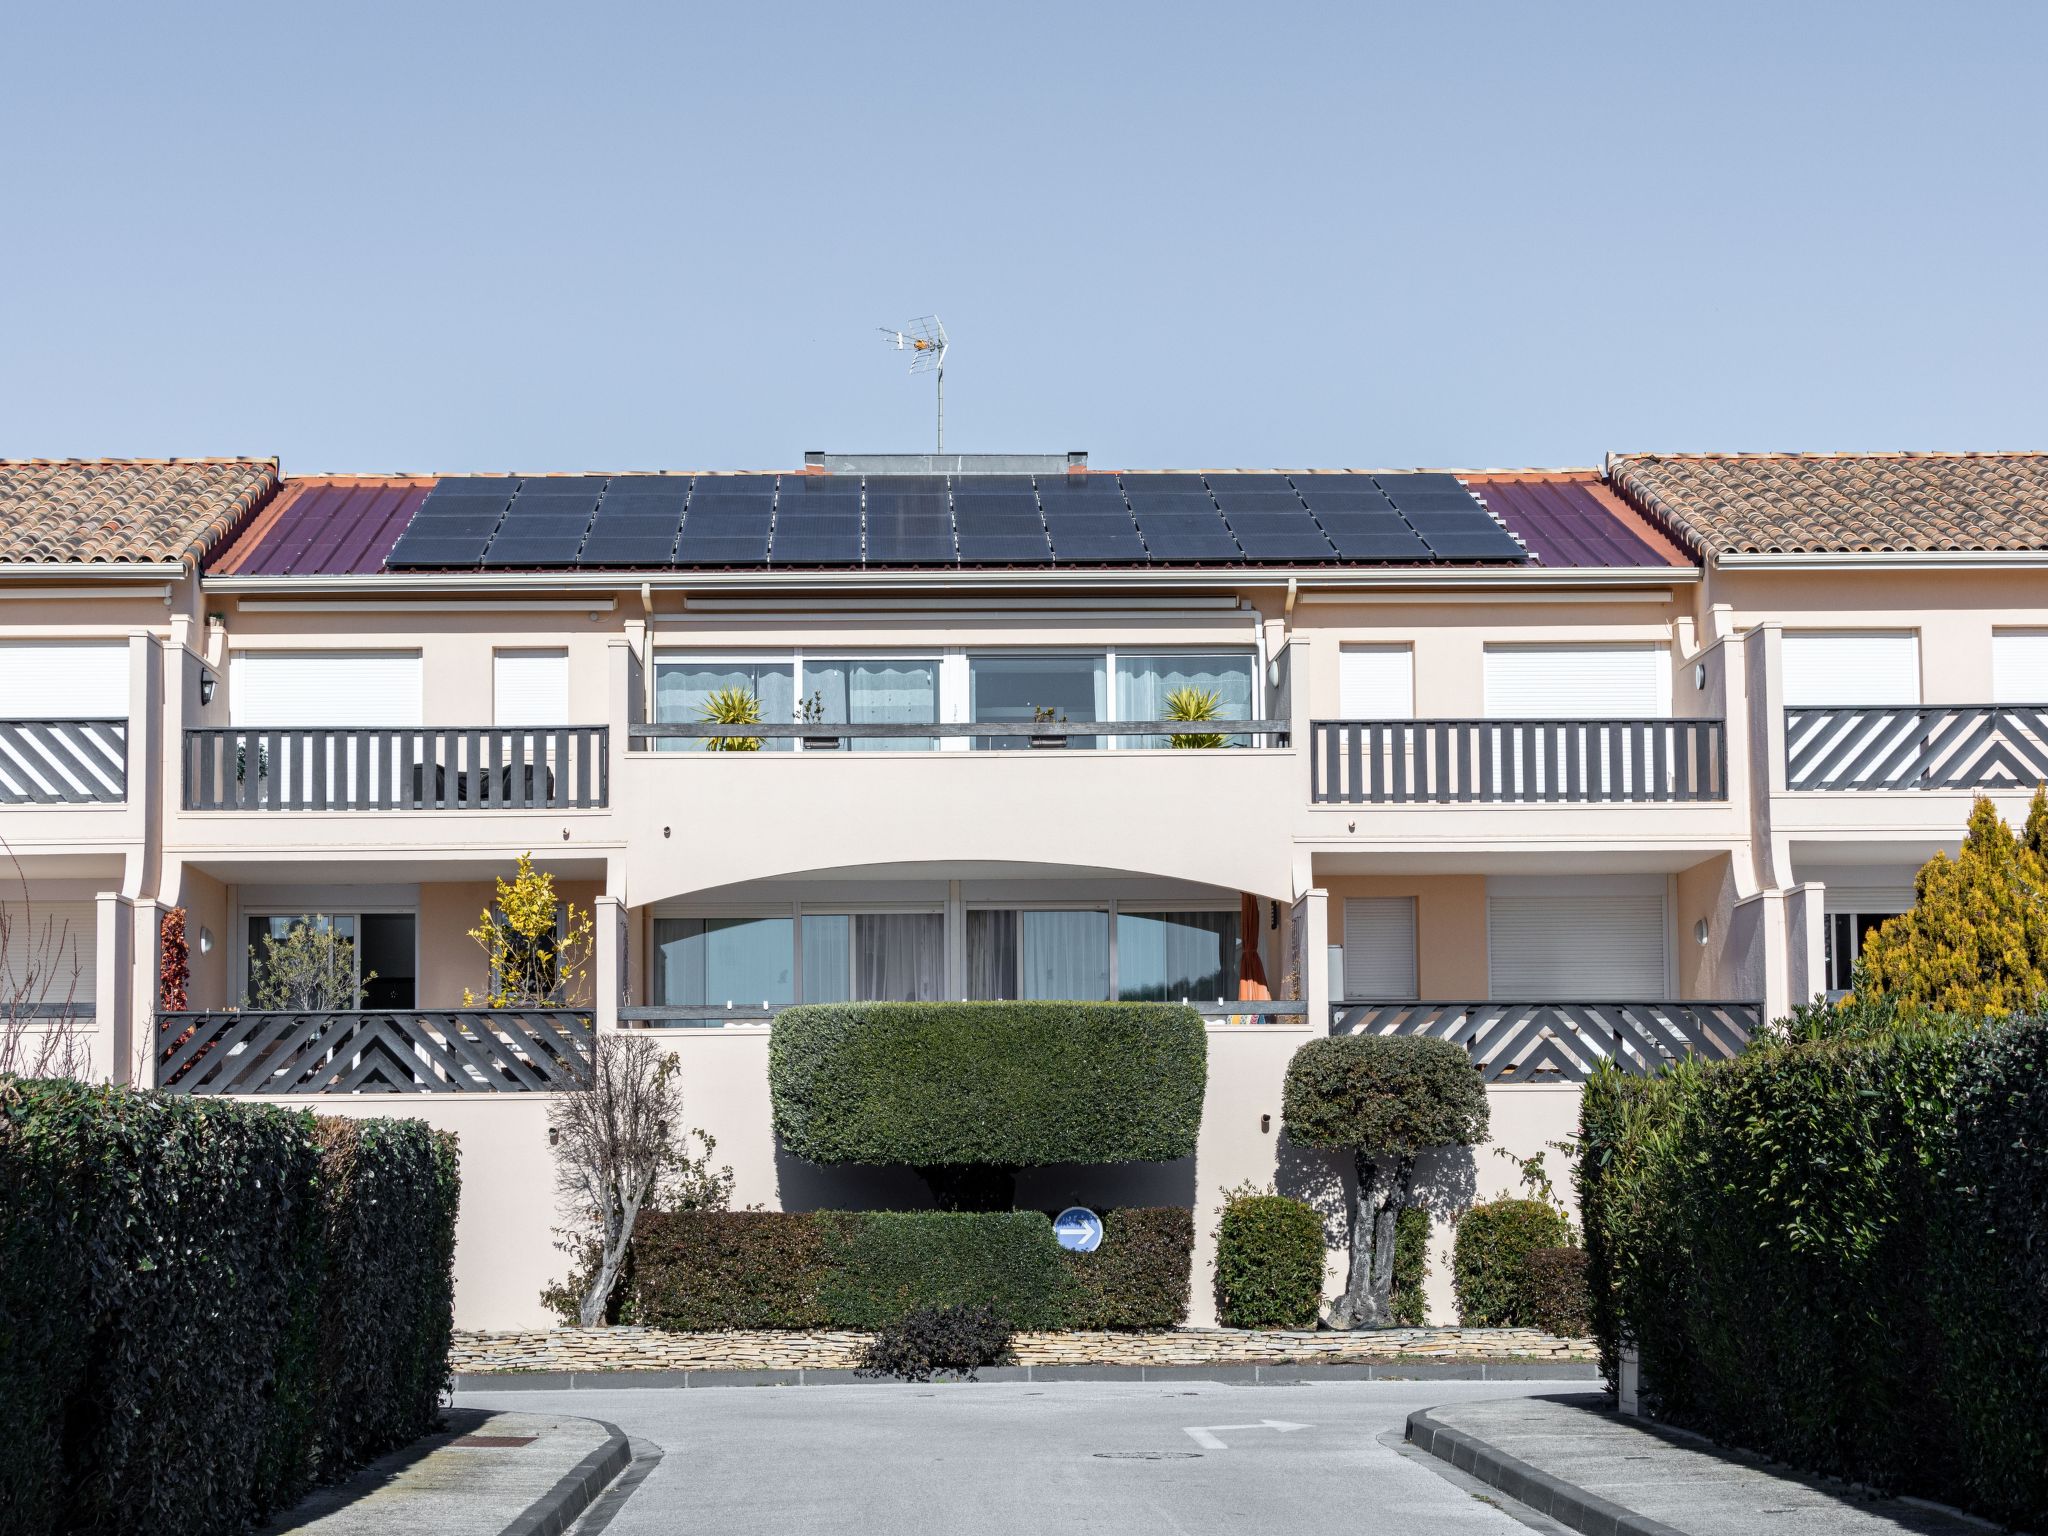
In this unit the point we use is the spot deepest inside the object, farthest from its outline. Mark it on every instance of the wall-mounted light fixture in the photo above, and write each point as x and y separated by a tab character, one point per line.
207	683
206	941
1699	932
1699	675
1265	1124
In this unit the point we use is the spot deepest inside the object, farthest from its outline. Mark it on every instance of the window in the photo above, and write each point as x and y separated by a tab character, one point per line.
49	952
1379	948
334	689
1144	684
530	688
1875	667
864	692
1031	954
1376	682
1025	688
897	957
1176	956
332	960
1846	932
1557	943
1578	682
69	681
713	961
2019	666
682	689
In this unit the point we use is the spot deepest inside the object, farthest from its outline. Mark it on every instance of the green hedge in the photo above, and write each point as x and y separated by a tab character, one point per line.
947	1085
1833	1251
194	1323
1554	1283
1411	1267
1490	1260
1269	1263
697	1270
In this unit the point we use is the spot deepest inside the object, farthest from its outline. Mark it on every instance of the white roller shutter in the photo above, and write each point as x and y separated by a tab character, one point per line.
530	688
1376	682
1568	947
1379	948
64	680
1868	667
324	688
51	948
2019	666
1578	682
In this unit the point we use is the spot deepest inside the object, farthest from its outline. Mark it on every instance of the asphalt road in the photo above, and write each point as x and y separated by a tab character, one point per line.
994	1459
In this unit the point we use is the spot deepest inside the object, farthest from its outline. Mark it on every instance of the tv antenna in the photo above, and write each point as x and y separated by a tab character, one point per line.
925	340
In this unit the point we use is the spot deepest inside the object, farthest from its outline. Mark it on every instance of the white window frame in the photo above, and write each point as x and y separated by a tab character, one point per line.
1403	649
1897	632
240	969
531	653
1660	651
2000	693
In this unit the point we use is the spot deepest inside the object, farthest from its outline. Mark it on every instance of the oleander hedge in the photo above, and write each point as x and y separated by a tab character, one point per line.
999	1085
702	1270
208	1306
1836	1251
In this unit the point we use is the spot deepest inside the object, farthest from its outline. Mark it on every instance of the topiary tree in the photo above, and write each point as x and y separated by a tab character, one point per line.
1976	941
1384	1099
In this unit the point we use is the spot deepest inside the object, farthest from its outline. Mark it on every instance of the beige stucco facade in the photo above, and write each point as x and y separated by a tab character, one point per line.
1740	881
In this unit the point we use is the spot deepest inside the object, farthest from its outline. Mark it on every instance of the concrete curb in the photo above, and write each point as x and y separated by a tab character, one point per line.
1245	1375
1563	1502
557	1509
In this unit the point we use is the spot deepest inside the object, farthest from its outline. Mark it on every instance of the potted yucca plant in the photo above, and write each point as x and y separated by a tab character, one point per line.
732	706
1194	704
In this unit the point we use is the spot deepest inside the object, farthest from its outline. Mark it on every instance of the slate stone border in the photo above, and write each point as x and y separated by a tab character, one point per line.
1564	1502
1242	1375
557	1509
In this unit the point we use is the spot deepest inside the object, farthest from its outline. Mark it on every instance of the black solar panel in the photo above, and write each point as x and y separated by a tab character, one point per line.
727	522
621	538
1088	522
1395	485
1148	483
913	527
1170	503
1175	537
455	523
1496	545
1374	538
1282	503
1255	485
1001	528
817	529
1469	520
1281	535
1337	502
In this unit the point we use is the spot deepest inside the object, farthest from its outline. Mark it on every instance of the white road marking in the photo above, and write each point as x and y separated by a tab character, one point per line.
1205	1437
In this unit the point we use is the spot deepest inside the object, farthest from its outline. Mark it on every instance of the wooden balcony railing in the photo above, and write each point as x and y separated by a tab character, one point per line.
1530	1042
467	1050
383	769
63	762
1359	762
1925	746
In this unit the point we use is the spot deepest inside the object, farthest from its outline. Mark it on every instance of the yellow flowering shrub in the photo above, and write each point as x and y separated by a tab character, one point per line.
533	960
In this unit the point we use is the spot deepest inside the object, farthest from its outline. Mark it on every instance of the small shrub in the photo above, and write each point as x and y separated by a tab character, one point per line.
1555	1290
882	1265
1411	1267
697	1271
1138	1279
927	1340
1269	1262
1490	1260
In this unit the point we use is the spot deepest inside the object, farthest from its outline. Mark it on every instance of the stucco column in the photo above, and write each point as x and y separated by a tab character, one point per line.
609	922
1805	942
112	984
1312	915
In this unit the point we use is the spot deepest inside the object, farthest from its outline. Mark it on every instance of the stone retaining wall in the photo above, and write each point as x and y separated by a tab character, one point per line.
645	1349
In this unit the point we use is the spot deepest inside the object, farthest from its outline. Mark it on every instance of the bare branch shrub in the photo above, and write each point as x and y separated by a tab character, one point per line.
44	1032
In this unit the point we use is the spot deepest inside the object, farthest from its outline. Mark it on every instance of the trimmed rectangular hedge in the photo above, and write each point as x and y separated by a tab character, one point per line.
948	1085
703	1270
1837	1252
206	1306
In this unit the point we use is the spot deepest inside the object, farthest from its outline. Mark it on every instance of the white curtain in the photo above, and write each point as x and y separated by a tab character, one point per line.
681	689
876	692
1034	955
875	957
1143	683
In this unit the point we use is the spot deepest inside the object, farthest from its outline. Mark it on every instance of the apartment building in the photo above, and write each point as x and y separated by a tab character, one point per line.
1564	765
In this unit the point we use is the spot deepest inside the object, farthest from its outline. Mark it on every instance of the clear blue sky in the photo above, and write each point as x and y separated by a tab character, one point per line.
566	236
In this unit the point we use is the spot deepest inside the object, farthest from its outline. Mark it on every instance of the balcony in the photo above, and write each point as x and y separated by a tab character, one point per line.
63	762
397	769
1030	734
1916	747
692	1016
1562	1042
468	1050
1493	762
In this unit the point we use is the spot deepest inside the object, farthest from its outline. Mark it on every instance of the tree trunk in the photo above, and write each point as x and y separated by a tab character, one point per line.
618	1234
1367	1301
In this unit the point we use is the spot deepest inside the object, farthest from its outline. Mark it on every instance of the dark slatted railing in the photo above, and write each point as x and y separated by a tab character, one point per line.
467	1050
1928	746
1359	762
63	762
1522	1042
385	769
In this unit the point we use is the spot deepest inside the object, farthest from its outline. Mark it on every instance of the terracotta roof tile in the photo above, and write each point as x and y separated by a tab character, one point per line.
1785	503
124	511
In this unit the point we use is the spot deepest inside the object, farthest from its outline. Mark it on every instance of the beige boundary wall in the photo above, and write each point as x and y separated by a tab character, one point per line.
505	1249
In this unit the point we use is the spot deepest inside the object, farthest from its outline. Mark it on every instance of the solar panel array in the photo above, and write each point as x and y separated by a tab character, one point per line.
907	521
